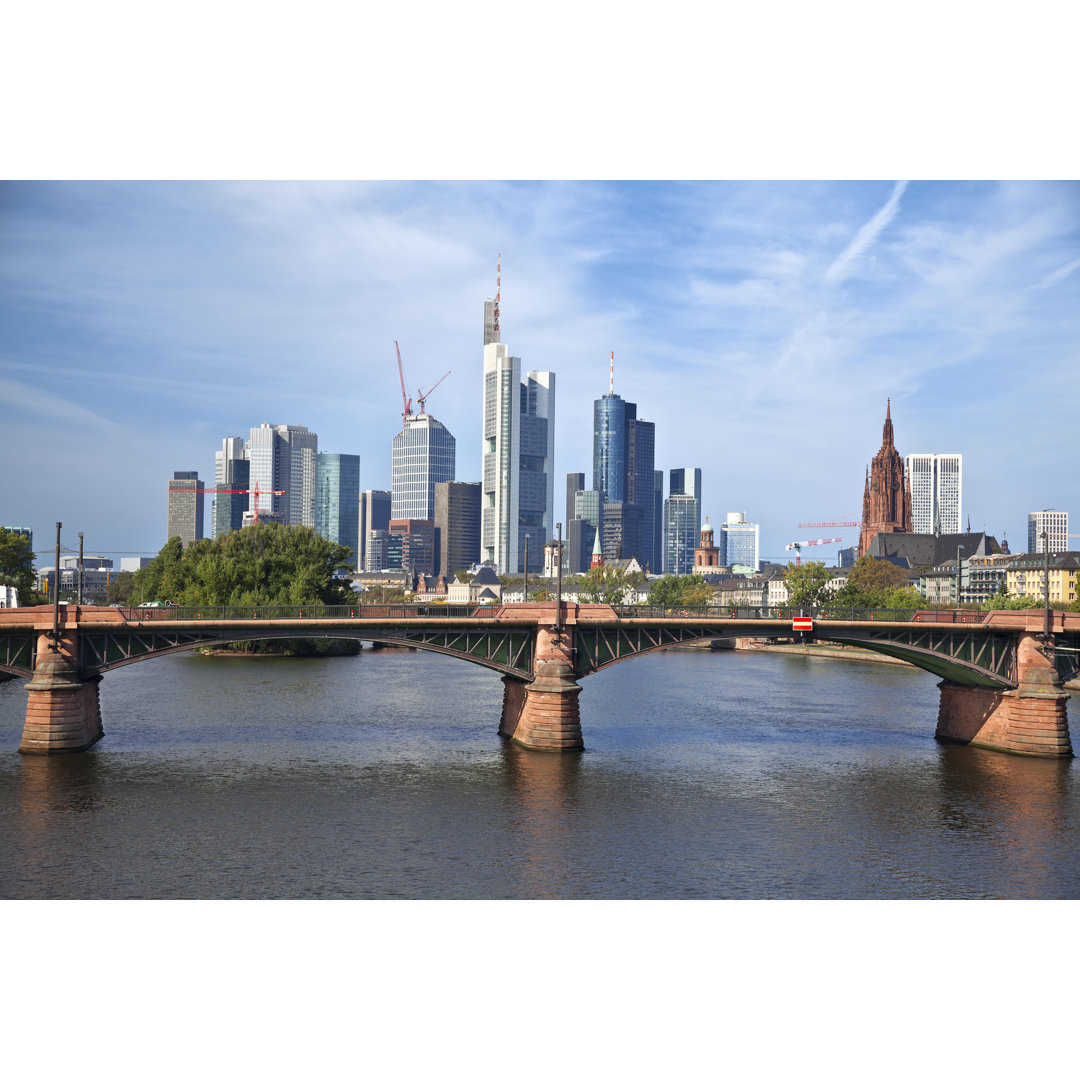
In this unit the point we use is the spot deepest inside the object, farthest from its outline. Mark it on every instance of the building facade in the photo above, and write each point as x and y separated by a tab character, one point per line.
282	459
739	541
374	514
457	527
185	508
231	470
417	539
337	500
1026	575
424	455
682	530
886	495
536	466
1055	523
936	482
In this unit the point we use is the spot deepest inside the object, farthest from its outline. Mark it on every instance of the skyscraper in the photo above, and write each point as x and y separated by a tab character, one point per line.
682	530
424	455
685	482
518	480
886	496
1055	523
624	450
337	500
185	508
457	527
936	488
374	516
739	542
282	458
231	470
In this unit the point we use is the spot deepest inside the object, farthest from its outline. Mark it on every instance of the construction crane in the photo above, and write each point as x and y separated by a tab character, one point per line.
829	524
421	397
798	545
254	492
406	401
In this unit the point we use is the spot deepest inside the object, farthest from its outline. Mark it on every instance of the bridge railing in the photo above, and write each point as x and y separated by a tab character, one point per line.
834	614
306	612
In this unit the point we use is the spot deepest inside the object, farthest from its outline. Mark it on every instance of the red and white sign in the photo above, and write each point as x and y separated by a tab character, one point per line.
802	624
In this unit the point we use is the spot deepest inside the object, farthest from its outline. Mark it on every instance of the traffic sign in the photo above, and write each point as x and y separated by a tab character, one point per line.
802	624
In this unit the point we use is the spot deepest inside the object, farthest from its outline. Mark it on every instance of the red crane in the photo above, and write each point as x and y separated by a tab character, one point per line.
422	397
406	401
798	545
255	492
829	524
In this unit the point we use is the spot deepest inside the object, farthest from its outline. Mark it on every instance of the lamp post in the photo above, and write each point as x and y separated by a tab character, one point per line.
558	582
54	645
78	595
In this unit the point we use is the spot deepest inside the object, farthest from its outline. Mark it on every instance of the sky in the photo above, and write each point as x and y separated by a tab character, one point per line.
762	326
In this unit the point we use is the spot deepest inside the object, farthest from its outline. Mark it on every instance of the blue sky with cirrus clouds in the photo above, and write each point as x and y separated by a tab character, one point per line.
761	326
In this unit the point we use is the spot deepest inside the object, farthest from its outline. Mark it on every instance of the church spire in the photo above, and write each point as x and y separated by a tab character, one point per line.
887	430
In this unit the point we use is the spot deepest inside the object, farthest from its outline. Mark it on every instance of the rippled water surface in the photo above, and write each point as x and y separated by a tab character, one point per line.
707	775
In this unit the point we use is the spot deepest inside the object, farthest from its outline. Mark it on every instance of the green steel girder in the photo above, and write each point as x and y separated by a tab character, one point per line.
500	648
18	651
597	647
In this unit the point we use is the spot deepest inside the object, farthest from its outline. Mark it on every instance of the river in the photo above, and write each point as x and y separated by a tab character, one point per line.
707	775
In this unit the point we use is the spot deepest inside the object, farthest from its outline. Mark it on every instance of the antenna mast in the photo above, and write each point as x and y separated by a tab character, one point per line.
498	289
611	381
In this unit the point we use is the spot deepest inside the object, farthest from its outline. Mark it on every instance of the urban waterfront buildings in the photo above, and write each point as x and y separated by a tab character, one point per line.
517	456
185	508
374	517
337	500
682	530
1055	523
936	482
886	496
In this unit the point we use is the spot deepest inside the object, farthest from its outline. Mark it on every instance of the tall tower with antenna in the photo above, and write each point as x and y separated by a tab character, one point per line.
491	309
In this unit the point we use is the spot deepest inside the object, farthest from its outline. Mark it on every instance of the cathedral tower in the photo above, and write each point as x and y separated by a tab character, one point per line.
887	495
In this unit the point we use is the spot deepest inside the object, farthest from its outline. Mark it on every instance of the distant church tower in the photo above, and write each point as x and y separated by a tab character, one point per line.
887	495
597	552
707	553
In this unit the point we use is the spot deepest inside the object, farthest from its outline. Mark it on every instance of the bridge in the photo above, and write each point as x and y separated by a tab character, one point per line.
1002	672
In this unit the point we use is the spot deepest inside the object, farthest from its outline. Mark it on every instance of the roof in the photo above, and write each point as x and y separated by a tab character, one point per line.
925	549
485	576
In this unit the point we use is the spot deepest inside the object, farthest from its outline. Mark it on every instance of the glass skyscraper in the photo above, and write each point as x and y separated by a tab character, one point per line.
337	500
282	458
424	455
738	542
231	470
682	530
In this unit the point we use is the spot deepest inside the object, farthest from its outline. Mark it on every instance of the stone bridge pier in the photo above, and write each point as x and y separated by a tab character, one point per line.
63	709
544	714
1032	719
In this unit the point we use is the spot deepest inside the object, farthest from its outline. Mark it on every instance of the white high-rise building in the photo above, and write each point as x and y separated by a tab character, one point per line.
283	458
936	490
518	457
424	455
1055	523
739	541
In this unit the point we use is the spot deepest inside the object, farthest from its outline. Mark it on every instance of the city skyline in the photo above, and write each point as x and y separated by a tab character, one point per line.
762	327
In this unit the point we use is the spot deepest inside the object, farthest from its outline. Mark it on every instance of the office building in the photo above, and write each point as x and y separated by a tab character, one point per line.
417	538
739	542
624	450
457	527
282	459
1055	523
185	508
374	515
424	455
518	456
231	470
936	490
685	482
575	482
583	523
682	530
337	500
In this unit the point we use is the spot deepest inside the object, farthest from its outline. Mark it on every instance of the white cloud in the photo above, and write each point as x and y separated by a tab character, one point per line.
865	237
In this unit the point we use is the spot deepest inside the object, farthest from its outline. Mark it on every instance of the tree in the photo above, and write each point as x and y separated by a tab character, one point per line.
870	584
120	587
17	565
685	590
603	585
807	585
